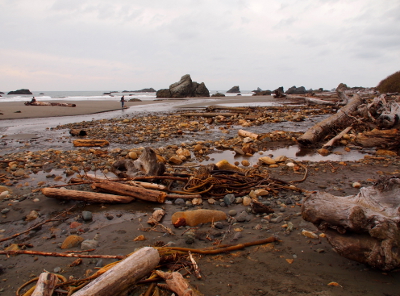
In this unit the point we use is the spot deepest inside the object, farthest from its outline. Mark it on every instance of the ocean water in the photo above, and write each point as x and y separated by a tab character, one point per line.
91	95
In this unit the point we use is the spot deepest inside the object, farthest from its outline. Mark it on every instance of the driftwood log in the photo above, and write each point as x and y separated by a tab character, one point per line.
133	191
118	279
49	104
364	227
86	196
46	284
379	138
340	120
90	143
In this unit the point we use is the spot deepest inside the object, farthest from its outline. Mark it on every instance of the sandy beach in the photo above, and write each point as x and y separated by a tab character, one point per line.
17	110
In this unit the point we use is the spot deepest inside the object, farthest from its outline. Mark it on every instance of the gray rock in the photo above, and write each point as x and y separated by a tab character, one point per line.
242	217
87	216
5	210
229	199
219	225
89	244
179	201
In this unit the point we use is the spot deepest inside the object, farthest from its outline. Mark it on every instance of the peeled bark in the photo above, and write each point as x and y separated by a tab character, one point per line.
118	279
46	284
364	227
339	120
86	196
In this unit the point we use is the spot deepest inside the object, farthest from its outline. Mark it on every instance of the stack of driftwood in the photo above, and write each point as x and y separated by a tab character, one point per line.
364	227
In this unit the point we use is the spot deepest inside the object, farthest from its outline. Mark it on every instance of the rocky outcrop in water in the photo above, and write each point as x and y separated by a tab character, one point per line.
184	88
234	90
296	90
20	92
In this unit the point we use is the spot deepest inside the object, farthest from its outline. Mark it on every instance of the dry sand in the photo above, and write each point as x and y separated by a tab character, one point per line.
17	110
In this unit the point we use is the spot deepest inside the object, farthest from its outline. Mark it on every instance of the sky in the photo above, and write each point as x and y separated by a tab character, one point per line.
130	45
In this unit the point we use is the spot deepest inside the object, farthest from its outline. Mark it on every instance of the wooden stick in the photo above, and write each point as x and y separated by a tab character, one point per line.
244	133
332	141
85	196
177	283
195	266
46	284
54	254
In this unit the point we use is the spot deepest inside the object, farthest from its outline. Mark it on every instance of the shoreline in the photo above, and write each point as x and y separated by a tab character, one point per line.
17	110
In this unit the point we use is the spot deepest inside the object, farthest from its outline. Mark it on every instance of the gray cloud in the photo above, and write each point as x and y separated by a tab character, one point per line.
98	44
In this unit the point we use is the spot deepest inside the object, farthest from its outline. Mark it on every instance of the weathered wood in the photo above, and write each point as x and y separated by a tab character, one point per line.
209	114
46	284
90	143
86	196
178	284
379	138
118	279
245	134
339	120
133	191
332	141
156	217
363	227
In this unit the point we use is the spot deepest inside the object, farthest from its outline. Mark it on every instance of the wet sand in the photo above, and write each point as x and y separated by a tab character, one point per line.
17	110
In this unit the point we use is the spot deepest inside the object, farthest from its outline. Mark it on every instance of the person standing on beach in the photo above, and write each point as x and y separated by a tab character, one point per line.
122	102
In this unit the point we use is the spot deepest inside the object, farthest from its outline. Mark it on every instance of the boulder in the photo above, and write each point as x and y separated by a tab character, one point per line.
184	88
234	90
218	94
20	92
163	93
260	92
296	90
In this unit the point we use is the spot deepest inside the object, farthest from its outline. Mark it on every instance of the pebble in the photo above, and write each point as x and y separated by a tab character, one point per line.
242	217
211	201
5	210
99	263
57	270
309	234
246	200
239	200
87	216
4	194
89	244
232	213
277	219
179	201
229	199
219	225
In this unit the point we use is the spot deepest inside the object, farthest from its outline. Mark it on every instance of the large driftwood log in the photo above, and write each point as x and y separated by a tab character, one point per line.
46	284
122	276
133	191
86	196
339	120
363	227
379	138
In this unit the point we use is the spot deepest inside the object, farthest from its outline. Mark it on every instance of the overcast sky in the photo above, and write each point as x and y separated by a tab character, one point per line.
130	44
